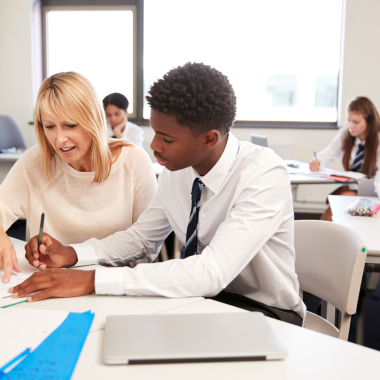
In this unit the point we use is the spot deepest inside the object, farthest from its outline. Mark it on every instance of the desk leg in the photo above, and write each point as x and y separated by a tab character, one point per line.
360	313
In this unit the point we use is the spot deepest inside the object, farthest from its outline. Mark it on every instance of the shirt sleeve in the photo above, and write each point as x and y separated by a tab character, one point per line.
333	150
141	241
377	175
254	219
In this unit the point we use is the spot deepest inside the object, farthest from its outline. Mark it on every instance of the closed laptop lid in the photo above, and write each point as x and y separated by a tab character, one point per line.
143	339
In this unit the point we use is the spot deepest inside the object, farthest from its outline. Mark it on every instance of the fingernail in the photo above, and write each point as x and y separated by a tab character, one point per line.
35	256
10	290
28	299
35	263
15	295
6	280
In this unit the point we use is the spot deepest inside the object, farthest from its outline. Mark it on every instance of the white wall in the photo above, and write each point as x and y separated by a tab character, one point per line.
361	59
15	65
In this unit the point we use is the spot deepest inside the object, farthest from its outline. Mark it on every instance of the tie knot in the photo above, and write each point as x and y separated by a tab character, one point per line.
196	191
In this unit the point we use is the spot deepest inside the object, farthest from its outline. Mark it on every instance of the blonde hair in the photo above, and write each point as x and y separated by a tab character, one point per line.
71	96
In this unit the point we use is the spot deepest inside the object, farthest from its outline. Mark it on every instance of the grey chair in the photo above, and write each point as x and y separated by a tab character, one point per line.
10	134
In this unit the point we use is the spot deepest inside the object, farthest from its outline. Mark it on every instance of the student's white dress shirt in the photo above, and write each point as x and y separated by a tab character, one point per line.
245	234
132	132
334	150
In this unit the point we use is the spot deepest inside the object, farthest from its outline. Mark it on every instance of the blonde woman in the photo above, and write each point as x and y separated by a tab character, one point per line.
87	186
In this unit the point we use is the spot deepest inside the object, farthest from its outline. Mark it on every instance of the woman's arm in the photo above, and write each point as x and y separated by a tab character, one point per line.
14	202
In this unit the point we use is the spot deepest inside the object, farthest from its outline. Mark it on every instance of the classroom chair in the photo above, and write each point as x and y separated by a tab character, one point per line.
10	134
260	140
330	261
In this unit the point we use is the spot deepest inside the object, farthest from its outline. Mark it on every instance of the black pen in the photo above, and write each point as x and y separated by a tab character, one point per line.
40	235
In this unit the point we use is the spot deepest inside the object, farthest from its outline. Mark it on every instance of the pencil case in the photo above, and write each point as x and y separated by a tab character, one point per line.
363	207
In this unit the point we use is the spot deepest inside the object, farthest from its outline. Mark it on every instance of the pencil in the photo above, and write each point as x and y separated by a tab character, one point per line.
40	235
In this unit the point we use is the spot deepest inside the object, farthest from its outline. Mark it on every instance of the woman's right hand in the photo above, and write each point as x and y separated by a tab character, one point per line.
8	258
314	165
53	253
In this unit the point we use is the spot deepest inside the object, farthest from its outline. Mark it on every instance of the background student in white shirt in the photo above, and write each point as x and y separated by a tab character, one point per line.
116	108
359	145
87	186
228	202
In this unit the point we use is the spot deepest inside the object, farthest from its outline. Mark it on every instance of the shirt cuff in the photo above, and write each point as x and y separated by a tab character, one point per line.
85	253
109	281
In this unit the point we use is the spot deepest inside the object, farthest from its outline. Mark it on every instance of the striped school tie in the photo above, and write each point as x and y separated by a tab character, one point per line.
191	234
357	164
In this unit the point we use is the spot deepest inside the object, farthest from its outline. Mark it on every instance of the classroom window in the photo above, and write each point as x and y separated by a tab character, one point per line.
282	57
98	44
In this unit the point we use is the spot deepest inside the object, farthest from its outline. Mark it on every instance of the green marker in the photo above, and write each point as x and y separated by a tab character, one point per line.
3	307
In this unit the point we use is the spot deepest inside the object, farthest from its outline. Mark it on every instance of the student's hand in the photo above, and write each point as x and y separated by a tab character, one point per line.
119	128
314	165
53	253
55	282
8	258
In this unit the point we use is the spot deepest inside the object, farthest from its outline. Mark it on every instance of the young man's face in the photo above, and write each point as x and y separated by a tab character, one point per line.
174	146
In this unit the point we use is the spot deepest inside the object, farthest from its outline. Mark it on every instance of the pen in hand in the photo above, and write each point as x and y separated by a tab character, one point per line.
40	235
315	156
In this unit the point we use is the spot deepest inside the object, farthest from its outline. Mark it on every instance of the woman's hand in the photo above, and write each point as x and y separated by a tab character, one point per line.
53	253
8	258
118	130
56	283
314	165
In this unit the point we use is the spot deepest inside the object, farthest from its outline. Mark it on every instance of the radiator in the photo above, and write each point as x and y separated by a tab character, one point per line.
284	149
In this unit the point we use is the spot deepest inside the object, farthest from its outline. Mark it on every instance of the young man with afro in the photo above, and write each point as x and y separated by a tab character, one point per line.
228	202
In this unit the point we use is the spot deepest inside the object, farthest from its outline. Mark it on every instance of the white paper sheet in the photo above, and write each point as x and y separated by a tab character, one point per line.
21	329
17	278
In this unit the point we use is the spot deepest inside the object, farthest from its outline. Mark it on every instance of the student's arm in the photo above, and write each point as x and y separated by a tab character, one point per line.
255	218
377	175
333	150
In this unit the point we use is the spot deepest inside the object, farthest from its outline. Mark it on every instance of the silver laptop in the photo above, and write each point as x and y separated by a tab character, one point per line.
187	338
259	140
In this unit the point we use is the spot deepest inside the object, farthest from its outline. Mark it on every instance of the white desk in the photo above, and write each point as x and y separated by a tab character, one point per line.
7	160
367	227
310	356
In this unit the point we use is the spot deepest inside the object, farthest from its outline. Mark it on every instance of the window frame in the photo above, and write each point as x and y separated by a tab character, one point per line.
137	6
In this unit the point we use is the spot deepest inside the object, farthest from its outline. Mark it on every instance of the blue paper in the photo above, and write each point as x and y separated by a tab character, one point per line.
55	358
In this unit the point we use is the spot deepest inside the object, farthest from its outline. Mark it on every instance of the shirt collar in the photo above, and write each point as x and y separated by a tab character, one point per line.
358	141
214	179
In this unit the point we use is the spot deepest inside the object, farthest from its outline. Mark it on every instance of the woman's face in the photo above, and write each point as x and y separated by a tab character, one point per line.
115	115
357	125
70	141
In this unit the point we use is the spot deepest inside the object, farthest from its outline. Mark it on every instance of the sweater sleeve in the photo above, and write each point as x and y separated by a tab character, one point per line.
15	189
145	182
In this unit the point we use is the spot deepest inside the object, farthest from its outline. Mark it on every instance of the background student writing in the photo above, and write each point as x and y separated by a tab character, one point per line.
358	145
116	109
87	186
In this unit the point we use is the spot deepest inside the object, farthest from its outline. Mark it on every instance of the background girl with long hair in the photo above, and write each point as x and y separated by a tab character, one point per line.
358	145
